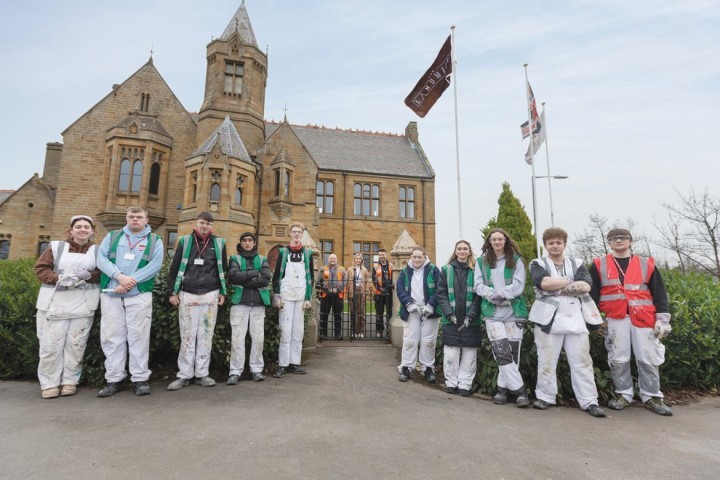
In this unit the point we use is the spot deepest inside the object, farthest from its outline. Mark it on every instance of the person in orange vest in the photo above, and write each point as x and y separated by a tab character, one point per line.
330	284
383	282
357	285
630	292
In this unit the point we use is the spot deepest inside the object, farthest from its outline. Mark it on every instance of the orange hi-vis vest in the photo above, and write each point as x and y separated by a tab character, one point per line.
632	297
341	277
379	279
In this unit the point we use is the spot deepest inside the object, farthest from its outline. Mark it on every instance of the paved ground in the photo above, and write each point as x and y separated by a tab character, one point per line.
347	418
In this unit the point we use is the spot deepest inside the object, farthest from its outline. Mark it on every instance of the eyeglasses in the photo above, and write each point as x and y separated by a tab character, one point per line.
296	231
619	239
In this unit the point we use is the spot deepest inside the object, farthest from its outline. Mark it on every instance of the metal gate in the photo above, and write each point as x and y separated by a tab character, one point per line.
364	316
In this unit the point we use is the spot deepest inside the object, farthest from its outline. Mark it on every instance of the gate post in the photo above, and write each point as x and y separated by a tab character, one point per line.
401	252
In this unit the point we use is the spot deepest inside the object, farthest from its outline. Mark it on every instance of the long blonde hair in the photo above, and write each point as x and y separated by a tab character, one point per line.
471	258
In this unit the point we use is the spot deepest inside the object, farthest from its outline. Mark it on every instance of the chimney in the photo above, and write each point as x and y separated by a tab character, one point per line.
411	132
53	156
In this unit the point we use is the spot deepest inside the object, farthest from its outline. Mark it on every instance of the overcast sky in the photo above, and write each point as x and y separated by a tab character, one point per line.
632	88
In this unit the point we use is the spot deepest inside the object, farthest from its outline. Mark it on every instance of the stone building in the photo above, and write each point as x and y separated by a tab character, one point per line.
355	191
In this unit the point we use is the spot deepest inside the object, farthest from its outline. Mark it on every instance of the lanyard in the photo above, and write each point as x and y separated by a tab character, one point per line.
206	242
133	245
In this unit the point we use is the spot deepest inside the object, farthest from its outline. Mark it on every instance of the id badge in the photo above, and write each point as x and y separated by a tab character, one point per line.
129	256
199	261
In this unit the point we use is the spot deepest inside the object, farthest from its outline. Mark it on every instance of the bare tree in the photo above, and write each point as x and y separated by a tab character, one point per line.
695	227
671	238
591	242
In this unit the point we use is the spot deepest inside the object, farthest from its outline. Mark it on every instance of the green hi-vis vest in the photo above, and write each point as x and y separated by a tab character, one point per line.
449	272
307	255
238	289
487	309
186	242
430	283
115	236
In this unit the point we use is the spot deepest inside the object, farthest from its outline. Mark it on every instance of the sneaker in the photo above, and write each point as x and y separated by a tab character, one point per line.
258	377
430	375
618	403
205	382
500	398
110	389
233	380
657	405
297	369
595	411
48	393
177	384
451	390
404	374
522	401
281	371
68	390
541	404
141	388
465	392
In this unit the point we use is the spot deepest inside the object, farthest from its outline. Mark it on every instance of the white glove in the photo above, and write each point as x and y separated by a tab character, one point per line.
307	305
662	325
412	307
428	309
83	275
497	296
452	319
466	322
69	281
277	301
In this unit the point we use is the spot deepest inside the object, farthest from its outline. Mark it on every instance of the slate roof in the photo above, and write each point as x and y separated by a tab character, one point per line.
230	142
4	194
146	123
360	151
240	23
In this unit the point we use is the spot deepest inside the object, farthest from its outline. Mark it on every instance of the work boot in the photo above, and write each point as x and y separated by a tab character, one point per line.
233	380
618	403
141	388
451	390
657	405
464	392
68	390
522	400
297	369
48	393
404	374
177	384
501	397
541	404
205	382
281	371
258	377
110	389
595	411
430	375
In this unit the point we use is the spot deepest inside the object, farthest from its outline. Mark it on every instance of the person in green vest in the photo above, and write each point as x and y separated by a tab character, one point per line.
292	283
197	286
417	293
249	275
129	259
500	281
460	323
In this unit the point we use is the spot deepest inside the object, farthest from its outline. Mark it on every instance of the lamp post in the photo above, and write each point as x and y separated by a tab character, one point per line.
549	177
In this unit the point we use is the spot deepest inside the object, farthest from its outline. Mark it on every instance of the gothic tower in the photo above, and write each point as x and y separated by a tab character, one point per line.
235	83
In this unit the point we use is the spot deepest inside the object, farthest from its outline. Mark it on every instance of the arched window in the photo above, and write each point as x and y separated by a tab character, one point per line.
286	193
238	197
215	192
277	183
193	188
137	172
154	179
124	183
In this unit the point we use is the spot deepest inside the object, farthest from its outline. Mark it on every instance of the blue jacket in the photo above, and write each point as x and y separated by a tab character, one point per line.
404	285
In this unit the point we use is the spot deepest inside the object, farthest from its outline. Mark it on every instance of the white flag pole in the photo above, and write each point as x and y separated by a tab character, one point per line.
457	134
532	159
547	159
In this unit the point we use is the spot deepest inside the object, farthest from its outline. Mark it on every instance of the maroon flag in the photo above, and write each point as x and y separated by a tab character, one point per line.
433	83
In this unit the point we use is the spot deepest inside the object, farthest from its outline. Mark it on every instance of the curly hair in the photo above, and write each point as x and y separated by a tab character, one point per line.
510	250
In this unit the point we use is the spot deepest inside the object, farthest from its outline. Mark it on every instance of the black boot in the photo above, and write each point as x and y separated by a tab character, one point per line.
430	375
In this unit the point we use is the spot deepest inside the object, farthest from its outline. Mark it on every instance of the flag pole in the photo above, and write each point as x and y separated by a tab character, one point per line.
457	134
532	157
549	175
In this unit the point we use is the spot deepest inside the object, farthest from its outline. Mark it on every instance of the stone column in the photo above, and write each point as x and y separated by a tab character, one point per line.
400	254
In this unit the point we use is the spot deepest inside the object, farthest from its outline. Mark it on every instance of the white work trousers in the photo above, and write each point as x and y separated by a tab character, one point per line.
459	366
419	341
196	317
623	338
577	350
292	330
506	336
125	327
242	317
62	346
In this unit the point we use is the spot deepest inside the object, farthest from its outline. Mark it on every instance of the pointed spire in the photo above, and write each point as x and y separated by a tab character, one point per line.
229	139
240	23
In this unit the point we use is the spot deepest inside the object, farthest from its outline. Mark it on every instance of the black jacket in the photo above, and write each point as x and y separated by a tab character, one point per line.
251	280
198	279
452	337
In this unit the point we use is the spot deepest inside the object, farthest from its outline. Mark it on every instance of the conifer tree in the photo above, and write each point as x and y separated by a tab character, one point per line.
512	218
